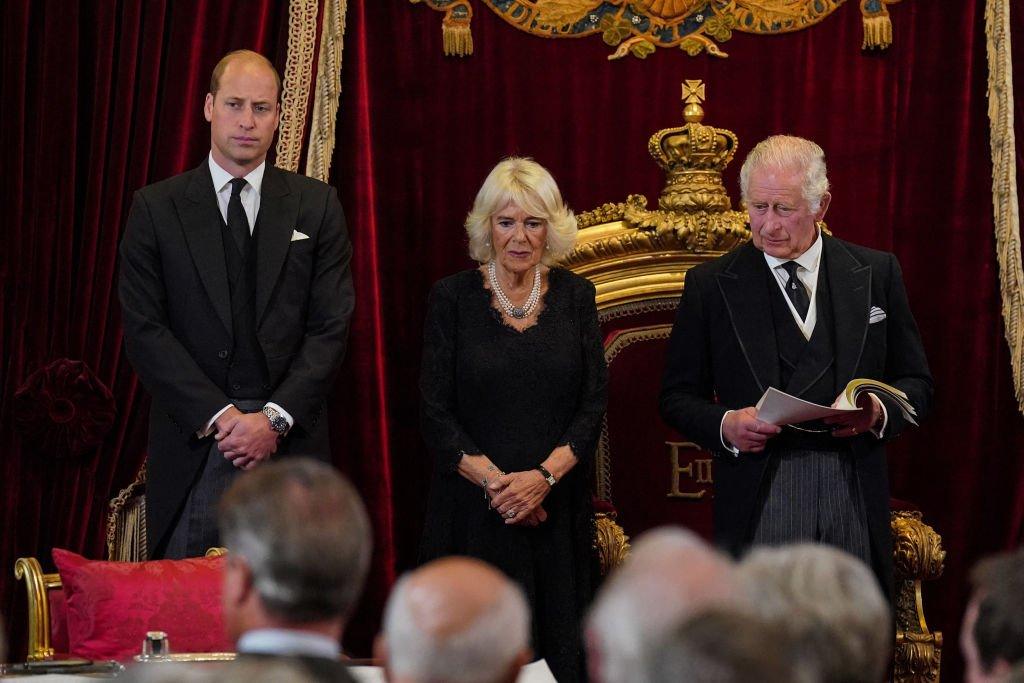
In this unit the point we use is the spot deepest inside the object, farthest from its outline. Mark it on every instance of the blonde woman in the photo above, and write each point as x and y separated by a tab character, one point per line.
513	388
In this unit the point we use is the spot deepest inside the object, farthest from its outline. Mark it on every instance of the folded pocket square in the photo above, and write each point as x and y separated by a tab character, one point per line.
875	315
296	236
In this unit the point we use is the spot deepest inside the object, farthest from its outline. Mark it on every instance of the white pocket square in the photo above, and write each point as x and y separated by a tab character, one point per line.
875	315
296	236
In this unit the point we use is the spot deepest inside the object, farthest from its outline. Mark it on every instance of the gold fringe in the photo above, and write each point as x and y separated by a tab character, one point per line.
328	90
297	74
877	32
458	38
1006	208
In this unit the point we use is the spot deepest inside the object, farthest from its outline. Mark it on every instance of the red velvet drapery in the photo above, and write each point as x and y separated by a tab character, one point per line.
103	97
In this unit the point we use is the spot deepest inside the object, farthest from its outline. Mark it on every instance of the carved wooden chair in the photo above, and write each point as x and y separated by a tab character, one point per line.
637	259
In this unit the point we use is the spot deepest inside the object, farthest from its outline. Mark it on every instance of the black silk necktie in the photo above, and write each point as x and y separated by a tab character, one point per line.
795	290
238	224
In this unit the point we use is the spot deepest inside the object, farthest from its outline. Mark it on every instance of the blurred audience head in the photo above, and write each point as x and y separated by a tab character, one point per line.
299	545
670	574
829	602
455	620
992	634
721	645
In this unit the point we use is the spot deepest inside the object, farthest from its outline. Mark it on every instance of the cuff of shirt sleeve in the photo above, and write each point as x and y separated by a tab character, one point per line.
284	413
880	432
721	436
208	427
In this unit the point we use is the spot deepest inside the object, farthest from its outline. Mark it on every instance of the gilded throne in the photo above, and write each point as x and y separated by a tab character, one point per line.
646	474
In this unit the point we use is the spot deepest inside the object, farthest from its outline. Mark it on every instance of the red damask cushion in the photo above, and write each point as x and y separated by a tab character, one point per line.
111	605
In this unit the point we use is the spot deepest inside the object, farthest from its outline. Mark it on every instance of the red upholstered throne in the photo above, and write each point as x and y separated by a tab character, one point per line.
646	474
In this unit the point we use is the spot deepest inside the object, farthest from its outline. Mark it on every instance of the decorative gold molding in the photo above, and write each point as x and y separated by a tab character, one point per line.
611	541
640	27
328	91
1006	208
917	556
126	523
36	585
295	89
632	253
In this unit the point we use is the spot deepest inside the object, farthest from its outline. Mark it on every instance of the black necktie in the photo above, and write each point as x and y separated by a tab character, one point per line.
795	290
238	224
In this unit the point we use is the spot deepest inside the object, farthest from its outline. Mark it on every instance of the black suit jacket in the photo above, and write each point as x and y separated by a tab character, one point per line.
177	316
723	346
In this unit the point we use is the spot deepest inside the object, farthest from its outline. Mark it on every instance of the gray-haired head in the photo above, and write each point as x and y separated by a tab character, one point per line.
670	573
304	533
455	620
789	153
831	603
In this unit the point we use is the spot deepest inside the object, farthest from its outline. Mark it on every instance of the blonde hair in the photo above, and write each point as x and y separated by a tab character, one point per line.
528	185
788	152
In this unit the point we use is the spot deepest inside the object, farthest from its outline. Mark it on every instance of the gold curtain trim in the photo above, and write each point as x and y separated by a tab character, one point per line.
297	77
328	90
1004	184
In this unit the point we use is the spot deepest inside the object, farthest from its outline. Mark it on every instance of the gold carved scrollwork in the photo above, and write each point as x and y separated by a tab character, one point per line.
612	542
917	556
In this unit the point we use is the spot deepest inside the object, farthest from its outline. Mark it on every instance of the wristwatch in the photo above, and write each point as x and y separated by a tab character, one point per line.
548	477
277	421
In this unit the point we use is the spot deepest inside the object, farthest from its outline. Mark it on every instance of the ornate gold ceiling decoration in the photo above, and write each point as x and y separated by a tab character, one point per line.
639	27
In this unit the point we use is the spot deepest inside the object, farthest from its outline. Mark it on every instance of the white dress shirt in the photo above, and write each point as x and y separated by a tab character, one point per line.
287	643
250	197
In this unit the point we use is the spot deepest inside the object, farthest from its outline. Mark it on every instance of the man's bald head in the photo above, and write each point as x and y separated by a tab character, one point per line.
241	58
456	619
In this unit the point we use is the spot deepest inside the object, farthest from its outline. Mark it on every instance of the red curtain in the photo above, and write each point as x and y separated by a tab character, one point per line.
101	98
906	133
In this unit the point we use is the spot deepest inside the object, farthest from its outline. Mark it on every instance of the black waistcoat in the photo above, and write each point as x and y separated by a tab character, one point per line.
247	372
807	367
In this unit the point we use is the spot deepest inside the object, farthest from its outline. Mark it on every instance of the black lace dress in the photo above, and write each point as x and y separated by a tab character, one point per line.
515	396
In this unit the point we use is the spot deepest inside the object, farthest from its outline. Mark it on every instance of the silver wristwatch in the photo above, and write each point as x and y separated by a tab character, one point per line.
277	421
548	477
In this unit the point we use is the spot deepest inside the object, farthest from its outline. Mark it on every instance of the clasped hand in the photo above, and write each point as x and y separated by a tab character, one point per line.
521	494
245	439
852	424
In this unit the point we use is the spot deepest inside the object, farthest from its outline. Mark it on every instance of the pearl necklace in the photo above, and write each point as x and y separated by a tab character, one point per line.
515	311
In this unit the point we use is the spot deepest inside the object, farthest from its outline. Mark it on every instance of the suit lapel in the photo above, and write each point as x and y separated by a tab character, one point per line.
202	223
850	281
743	288
279	213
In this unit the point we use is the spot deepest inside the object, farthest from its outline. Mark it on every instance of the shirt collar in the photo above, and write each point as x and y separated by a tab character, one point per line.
808	260
288	643
221	177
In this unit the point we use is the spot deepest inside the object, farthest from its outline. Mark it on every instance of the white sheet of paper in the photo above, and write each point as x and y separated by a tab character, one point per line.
779	408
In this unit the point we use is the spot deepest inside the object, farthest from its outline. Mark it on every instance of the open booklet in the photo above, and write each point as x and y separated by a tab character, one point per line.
779	408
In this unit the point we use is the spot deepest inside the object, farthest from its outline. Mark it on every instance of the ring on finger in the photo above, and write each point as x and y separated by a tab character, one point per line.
510	514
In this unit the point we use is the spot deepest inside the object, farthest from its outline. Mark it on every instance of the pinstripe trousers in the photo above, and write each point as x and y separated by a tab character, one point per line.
812	495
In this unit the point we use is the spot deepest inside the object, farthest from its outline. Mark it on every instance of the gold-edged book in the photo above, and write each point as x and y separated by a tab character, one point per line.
855	387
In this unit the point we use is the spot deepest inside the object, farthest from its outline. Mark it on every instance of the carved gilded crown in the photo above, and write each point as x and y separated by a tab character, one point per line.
633	253
693	157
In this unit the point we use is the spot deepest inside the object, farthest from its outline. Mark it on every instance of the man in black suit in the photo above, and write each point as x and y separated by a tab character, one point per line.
299	545
236	296
803	312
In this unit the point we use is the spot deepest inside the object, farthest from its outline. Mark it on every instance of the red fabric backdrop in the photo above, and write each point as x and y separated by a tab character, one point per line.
102	97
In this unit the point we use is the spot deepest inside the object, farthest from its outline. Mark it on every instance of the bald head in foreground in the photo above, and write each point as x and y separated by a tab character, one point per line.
457	620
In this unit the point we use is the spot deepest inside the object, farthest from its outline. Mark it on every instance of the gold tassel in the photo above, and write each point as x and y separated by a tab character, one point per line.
877	32
458	38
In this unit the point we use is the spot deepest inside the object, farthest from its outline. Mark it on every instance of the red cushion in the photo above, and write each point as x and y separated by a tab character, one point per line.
111	605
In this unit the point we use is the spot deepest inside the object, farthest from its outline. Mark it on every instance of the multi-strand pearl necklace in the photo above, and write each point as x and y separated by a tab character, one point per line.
515	311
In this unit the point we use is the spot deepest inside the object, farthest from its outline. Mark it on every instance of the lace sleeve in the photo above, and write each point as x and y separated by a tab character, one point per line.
581	435
442	432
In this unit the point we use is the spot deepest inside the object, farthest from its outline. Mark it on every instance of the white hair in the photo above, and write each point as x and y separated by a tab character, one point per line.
670	573
788	152
528	185
830	600
481	652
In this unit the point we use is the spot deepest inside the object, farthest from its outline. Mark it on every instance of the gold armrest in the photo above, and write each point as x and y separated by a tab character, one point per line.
36	585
